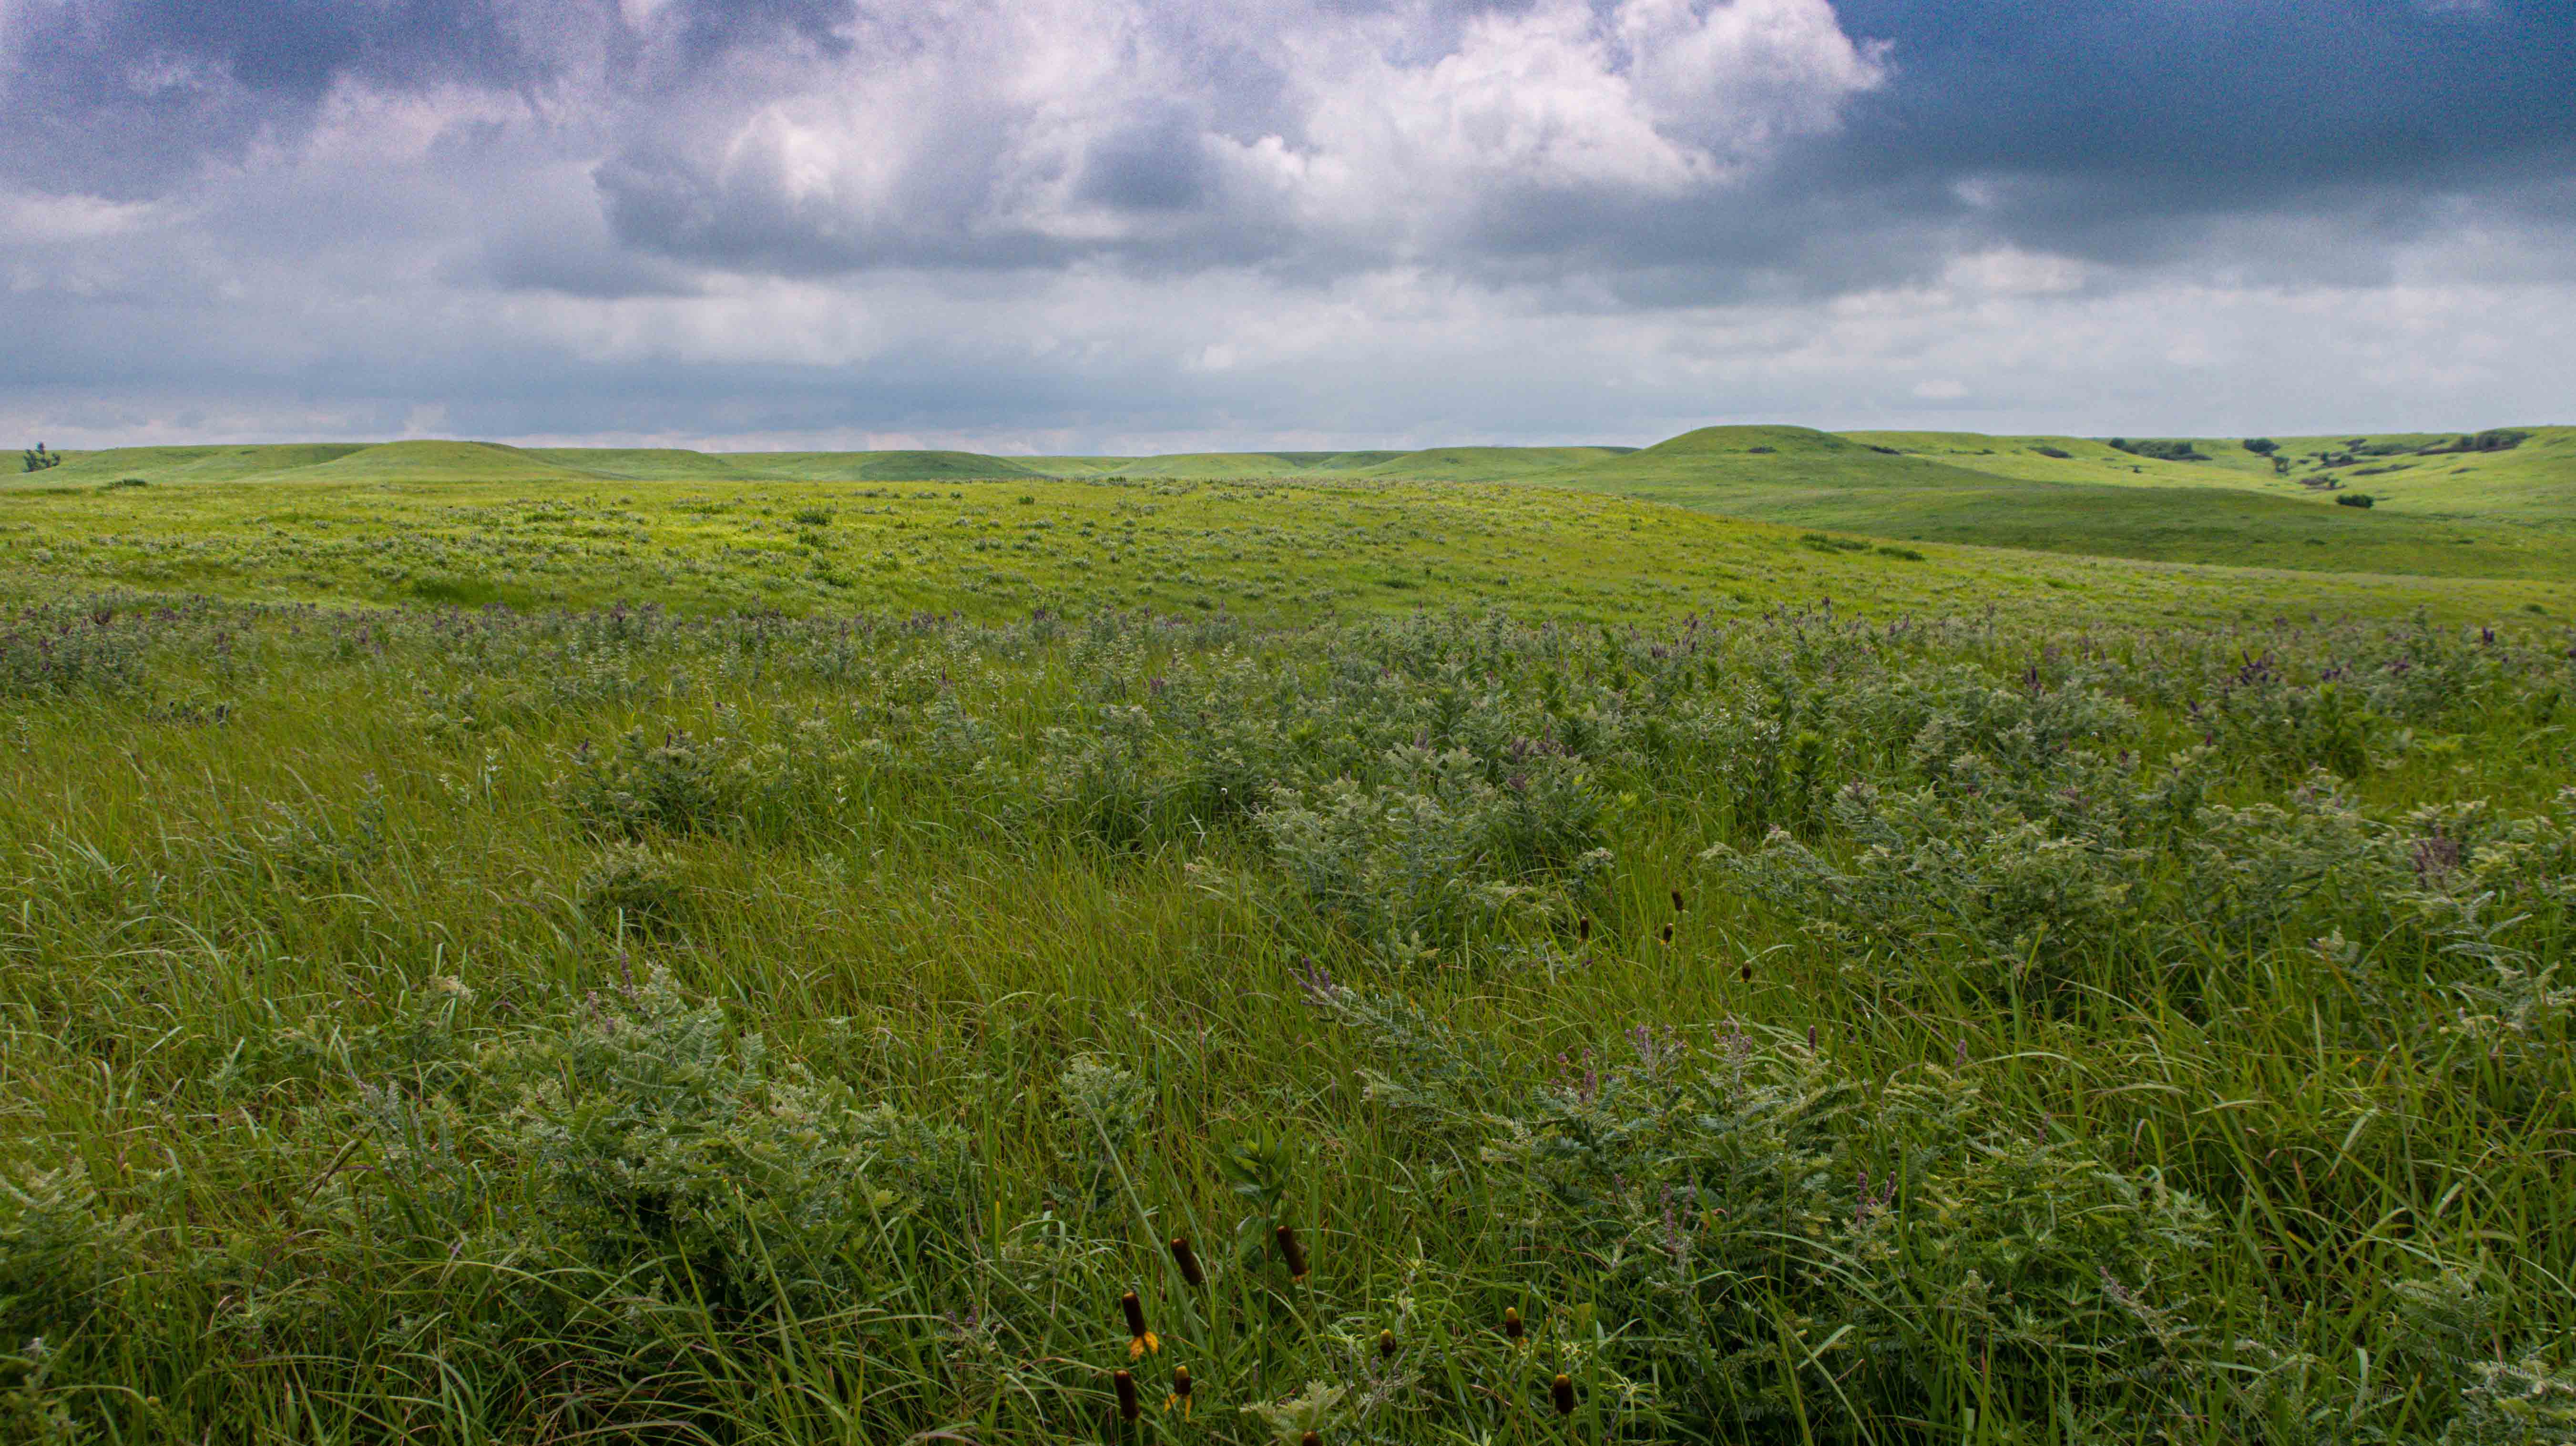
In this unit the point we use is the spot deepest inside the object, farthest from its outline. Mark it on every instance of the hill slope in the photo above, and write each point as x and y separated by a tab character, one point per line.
2225	515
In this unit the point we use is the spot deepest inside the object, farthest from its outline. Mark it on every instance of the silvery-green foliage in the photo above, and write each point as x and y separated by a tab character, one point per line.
664	1141
1919	877
1104	1109
674	783
1439	853
632	887
59	1246
1723	1184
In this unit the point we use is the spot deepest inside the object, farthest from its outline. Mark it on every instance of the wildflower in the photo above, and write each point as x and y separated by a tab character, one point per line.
1126	1384
1562	1388
1677	901
1385	1344
1142	1340
1748	971
1311	1438
1668	933
1583	930
1292	1252
1188	1260
1180	1396
1511	1323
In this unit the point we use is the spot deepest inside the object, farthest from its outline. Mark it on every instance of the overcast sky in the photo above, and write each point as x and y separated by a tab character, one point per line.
1106	225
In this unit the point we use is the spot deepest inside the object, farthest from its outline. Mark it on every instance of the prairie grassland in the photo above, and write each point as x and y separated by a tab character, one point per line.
997	550
2037	1022
2454	510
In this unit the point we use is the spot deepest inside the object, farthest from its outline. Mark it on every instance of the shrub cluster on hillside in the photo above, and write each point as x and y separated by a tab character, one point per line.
1446	1028
2161	451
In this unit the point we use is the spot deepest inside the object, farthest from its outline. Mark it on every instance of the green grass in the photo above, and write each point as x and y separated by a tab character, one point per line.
344	1103
782	977
1288	550
2502	514
2168	511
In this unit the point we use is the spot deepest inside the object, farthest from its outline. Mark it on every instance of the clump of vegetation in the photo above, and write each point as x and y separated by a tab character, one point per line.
2261	446
2355	499
2494	439
2162	451
37	459
2059	453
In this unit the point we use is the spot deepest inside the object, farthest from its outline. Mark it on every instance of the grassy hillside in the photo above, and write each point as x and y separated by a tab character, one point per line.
2532	482
184	464
2504	513
1279	550
1934	490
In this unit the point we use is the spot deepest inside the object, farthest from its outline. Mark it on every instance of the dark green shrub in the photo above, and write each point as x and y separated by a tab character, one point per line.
123	482
2160	451
2354	499
2058	452
2261	446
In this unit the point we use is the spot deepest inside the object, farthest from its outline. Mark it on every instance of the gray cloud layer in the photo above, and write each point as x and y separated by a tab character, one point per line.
1059	224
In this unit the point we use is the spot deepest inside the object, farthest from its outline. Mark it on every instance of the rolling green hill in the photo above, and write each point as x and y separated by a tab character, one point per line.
2446	504
1954	487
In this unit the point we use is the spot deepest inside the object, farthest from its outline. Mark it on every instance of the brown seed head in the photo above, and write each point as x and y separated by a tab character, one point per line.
1311	1438
1677	901
1135	1312
1188	1260
1292	1252
1562	1388
1668	933
1511	1322
1583	929
1126	1384
1181	1382
1386	1343
1748	971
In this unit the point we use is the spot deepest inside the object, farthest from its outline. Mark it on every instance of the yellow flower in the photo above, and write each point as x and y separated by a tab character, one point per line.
1141	1344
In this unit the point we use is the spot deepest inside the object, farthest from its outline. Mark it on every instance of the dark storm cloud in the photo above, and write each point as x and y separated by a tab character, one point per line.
2119	128
710	27
127	97
1154	163
568	216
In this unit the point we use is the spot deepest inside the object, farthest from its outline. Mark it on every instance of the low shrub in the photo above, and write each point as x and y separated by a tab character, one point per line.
2163	451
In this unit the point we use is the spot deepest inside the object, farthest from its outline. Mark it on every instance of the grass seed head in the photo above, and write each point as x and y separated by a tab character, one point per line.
1126	1385
1188	1260
1291	1251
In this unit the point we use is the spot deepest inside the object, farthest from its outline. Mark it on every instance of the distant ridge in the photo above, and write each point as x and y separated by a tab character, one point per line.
2482	503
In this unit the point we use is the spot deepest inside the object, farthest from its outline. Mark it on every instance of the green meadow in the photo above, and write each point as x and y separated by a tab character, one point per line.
1771	937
